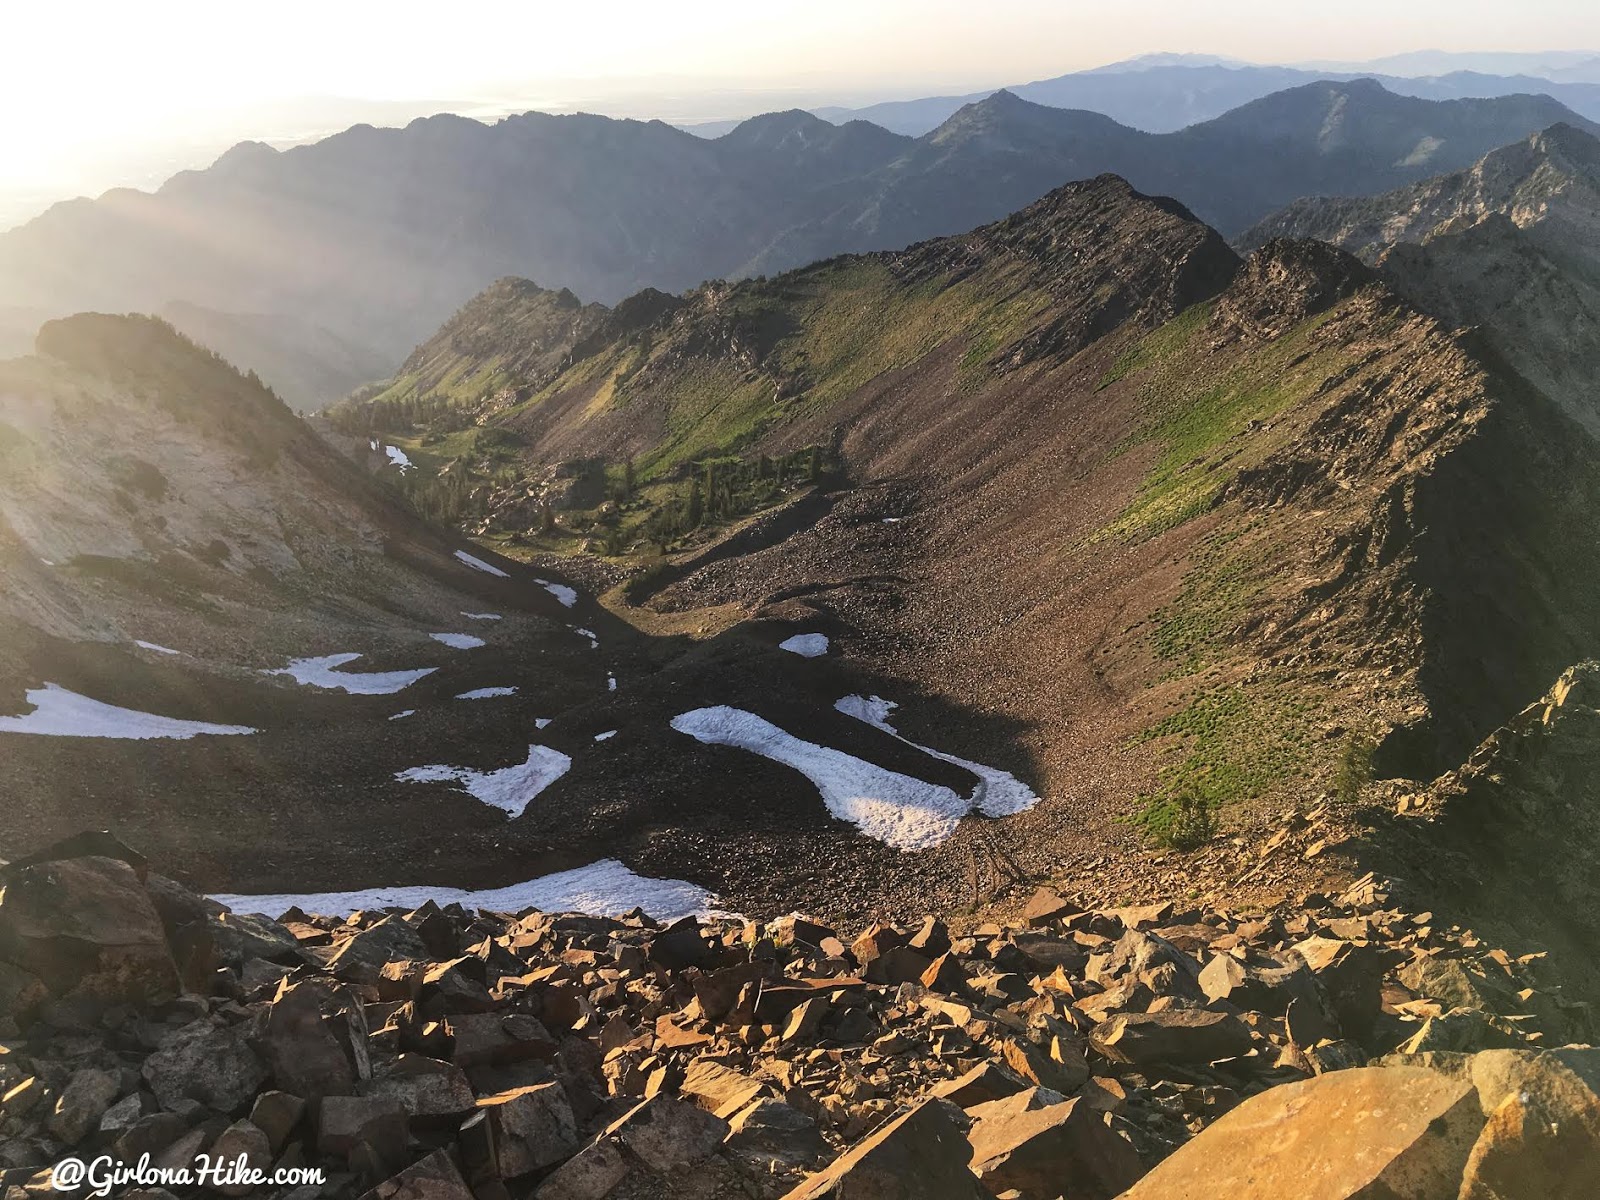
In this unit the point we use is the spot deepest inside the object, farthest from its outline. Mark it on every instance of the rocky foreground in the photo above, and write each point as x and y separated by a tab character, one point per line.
1347	1050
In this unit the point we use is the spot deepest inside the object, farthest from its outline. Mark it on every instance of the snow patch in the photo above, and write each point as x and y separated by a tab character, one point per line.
542	722
321	672
477	564
998	794
403	714
606	736
567	596
482	616
906	813
152	646
398	457
594	638
487	693
611	683
510	789
806	645
458	641
60	713
602	889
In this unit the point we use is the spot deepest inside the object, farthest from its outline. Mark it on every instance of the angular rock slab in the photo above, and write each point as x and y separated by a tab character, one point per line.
920	1156
1057	1150
1399	1133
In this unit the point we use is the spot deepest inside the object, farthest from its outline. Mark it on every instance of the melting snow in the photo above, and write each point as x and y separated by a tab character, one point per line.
458	641
567	596
60	713
510	789
398	457
606	736
481	616
998	794
605	888
487	693
400	716
153	646
320	672
906	813
806	645
477	564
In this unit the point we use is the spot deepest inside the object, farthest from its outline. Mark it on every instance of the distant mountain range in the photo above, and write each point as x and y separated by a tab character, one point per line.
373	237
1163	93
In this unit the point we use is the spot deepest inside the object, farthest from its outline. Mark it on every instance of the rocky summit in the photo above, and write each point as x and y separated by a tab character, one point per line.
1343	1048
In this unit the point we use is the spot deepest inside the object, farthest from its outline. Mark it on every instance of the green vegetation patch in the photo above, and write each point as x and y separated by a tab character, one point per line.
1196	408
1231	743
1230	571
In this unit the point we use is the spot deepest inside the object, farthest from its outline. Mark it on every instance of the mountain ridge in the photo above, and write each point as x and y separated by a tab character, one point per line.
365	235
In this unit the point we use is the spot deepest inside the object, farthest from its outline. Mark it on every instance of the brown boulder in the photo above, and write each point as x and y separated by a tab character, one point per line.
533	1127
918	1157
432	1178
86	928
1180	1035
1400	1133
1056	1150
209	1061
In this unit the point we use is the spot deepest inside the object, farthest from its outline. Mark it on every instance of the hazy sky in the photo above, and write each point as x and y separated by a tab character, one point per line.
89	80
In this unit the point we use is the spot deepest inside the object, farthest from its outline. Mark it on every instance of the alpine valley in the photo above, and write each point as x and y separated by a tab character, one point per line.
1167	558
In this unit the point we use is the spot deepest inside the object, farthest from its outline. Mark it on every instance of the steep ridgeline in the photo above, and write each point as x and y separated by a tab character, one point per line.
513	334
1189	538
1511	245
375	236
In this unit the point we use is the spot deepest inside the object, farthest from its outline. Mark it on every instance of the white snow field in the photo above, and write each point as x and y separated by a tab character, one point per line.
481	616
487	693
998	794
477	564
510	789
602	889
567	596
60	713
322	672
155	648
399	458
906	813
459	641
806	645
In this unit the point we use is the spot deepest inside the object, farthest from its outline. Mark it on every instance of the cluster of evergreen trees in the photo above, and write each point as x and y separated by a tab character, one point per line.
374	418
723	489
